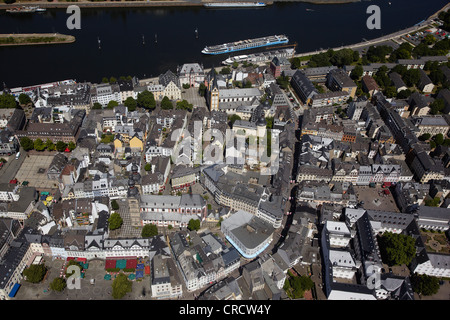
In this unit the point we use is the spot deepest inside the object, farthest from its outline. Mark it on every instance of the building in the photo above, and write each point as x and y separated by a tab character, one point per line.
303	87
369	85
171	84
425	84
398	81
104	93
278	65
192	74
338	80
247	233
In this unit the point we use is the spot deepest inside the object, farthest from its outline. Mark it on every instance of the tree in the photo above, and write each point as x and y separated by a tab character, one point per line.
194	224
148	167
404	94
225	70
97	106
396	249
121	286
390	92
130	103
61	146
184	105
202	89
357	72
7	101
73	263
149	230
112	104
437	106
58	284
438	139
71	146
411	77
35	273
283	82
26	143
105	80
425	284
166	104
50	145
433	202
39	145
114	205
115	221
146	100
112	80
233	118
425	137
24	99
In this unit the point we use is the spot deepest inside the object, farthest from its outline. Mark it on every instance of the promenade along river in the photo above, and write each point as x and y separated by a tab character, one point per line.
128	46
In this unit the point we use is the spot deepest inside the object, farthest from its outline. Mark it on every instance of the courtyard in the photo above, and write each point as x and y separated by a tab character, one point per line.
100	290
376	199
34	170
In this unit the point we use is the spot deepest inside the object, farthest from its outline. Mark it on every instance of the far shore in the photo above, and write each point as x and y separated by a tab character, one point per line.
150	3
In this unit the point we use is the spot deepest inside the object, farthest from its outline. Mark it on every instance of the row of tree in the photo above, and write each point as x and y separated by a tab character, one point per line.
39	145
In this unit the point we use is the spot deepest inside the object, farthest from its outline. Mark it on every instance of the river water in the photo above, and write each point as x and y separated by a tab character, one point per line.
122	30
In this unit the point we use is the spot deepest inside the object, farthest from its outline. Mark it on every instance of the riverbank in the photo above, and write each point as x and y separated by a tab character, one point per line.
26	39
149	3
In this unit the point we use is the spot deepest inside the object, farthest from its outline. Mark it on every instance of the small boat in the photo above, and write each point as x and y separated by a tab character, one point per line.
196	33
309	10
143	39
156	38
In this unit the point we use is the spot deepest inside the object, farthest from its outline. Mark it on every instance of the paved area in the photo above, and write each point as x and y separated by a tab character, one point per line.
101	290
192	96
374	199
34	170
126	230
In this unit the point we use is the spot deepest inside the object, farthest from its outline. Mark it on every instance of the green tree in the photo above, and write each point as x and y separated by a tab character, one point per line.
396	249
283	82
105	80
114	205
357	72
112	104
50	145
186	85
130	103
433	202
438	139
39	145
58	284
149	230
233	118
202	89
425	137
185	105
97	106
194	224
146	100
7	101
225	70
115	221
425	284
148	167
404	94
437	106
411	77
73	263
71	146
121	286
61	146
35	273
166	104
112	80
24	99
26	143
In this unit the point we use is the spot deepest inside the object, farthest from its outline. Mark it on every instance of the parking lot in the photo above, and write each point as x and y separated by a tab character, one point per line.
34	170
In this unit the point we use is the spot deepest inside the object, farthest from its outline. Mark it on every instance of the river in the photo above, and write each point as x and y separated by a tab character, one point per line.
122	30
